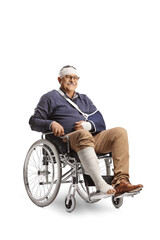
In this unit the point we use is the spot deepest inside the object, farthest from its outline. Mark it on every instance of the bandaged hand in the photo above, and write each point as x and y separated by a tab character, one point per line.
83	125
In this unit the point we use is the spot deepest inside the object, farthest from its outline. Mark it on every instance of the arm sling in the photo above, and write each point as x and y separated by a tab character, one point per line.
95	118
85	115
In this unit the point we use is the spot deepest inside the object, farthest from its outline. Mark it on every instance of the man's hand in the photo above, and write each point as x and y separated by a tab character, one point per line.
78	125
57	129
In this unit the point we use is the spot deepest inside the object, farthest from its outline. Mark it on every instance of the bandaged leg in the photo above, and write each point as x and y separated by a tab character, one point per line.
90	164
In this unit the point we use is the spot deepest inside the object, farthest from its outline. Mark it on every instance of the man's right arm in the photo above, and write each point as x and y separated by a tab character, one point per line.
41	121
57	129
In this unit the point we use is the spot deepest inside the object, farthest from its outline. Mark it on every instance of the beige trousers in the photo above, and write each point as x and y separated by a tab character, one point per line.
113	140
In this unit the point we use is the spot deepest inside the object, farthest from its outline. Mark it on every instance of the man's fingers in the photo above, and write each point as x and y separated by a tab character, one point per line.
77	127
58	132
57	129
62	132
79	122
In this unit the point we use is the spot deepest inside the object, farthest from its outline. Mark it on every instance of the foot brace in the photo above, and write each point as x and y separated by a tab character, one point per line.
90	164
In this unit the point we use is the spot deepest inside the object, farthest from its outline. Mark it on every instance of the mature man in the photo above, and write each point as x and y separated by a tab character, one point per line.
68	112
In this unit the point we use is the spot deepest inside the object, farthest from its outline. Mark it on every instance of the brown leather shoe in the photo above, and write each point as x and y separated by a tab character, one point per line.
126	186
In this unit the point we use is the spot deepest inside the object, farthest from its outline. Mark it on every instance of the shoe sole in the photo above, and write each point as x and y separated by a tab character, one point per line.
130	193
137	189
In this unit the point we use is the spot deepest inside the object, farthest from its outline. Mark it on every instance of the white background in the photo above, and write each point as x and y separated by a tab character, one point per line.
115	45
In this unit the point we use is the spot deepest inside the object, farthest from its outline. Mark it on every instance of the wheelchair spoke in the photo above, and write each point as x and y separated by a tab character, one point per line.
34	161
34	183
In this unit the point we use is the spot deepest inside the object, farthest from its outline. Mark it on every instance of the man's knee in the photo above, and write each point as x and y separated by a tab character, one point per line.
121	131
81	139
121	135
84	133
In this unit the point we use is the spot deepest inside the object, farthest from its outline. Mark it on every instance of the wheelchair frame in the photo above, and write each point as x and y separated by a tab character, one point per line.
43	175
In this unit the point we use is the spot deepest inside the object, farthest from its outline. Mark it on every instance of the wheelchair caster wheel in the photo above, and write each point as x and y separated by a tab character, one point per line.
70	206
117	202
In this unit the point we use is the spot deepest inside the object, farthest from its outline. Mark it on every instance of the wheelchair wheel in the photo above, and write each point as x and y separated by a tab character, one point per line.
70	204
82	189
117	202
42	173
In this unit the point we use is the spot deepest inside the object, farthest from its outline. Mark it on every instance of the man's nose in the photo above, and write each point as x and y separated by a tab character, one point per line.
71	80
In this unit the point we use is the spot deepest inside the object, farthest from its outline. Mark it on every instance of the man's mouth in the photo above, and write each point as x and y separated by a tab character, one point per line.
74	84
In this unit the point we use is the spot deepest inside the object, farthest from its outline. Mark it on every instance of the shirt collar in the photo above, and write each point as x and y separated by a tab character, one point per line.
75	94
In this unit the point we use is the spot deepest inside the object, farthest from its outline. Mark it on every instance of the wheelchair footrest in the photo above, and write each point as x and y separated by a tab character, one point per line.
98	196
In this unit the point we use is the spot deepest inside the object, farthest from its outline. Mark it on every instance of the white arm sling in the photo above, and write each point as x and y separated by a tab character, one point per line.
85	115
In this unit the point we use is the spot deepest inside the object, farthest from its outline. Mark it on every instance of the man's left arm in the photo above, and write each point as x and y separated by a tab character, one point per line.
95	122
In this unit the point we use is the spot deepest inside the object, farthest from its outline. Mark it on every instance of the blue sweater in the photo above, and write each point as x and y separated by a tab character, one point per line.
54	107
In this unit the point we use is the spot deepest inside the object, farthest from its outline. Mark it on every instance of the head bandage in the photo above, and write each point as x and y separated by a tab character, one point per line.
67	71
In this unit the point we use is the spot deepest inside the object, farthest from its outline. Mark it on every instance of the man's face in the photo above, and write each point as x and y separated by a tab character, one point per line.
69	82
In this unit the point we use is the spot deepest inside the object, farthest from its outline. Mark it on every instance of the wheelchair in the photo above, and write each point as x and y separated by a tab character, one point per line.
50	162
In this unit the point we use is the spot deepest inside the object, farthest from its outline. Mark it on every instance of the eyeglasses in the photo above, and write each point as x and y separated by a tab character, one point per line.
69	77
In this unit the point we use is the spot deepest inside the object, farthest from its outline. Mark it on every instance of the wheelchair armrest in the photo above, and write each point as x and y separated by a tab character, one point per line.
44	134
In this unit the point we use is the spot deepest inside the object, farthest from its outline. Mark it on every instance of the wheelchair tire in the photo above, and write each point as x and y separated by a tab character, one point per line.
70	206
42	173
117	202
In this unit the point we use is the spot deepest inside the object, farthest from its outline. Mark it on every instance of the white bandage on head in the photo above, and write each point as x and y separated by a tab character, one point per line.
67	70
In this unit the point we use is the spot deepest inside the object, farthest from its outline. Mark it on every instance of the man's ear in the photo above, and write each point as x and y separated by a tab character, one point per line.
59	80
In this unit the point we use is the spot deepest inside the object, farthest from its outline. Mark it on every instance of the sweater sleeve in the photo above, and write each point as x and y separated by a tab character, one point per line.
40	121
